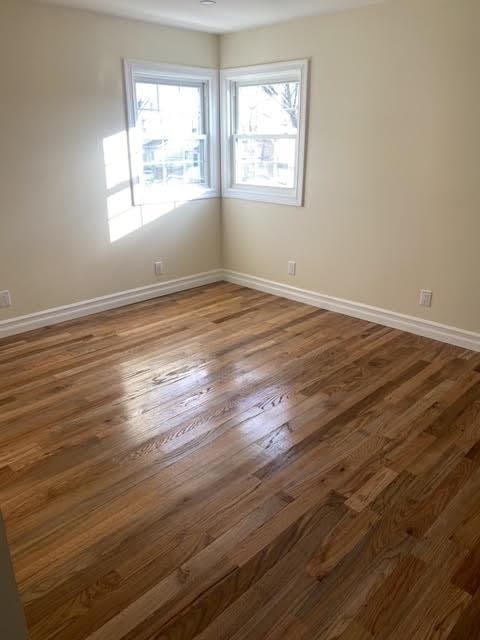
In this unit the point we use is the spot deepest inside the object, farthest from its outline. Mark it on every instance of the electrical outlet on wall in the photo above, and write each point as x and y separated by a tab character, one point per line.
5	299
426	298
159	268
292	268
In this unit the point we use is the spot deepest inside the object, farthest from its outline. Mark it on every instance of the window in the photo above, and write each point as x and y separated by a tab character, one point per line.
173	132
263	132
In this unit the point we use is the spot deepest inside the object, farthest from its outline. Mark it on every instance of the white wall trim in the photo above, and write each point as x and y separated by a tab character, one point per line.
411	324
49	317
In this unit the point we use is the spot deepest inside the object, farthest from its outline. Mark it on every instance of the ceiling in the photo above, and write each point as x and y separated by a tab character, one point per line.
224	16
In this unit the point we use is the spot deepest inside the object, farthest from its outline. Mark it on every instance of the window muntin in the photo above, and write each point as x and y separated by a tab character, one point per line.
173	132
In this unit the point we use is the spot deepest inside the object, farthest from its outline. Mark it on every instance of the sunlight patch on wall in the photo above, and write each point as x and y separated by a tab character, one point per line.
123	217
115	152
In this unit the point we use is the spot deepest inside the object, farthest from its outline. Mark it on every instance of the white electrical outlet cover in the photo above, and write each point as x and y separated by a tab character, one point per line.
426	298
5	300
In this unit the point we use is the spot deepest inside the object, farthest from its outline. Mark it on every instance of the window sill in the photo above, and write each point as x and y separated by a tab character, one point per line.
293	200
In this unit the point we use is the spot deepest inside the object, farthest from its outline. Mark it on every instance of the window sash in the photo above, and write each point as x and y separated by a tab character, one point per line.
185	140
203	97
237	135
259	187
171	160
235	101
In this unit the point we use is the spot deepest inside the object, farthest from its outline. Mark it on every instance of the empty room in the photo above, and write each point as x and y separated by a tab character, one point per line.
240	320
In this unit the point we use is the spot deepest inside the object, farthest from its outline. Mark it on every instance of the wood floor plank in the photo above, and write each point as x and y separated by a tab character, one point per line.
223	464
382	607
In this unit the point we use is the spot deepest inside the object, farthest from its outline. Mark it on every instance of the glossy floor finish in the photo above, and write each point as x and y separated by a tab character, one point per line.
222	464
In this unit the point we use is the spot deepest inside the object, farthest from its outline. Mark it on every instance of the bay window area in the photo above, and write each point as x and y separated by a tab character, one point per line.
174	140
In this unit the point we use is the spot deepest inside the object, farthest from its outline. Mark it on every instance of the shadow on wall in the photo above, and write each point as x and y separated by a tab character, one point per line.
123	217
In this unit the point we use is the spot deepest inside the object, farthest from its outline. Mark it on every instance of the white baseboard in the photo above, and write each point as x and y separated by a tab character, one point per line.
49	317
411	324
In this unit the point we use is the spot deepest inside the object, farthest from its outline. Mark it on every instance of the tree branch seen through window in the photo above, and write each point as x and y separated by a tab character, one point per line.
288	99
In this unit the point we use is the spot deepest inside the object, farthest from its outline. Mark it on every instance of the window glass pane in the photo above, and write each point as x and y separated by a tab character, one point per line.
147	96
169	117
170	163
165	109
268	108
266	162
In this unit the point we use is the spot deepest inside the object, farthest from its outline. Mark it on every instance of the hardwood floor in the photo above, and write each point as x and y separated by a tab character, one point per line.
222	464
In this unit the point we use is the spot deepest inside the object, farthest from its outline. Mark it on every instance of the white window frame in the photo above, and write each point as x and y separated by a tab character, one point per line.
296	70
135	70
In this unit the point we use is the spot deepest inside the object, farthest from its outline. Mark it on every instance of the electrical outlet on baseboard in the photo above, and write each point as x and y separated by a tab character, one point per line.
159	268
5	299
426	298
292	268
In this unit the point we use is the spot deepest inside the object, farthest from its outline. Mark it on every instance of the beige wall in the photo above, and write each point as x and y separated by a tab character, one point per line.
393	169
392	183
61	96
